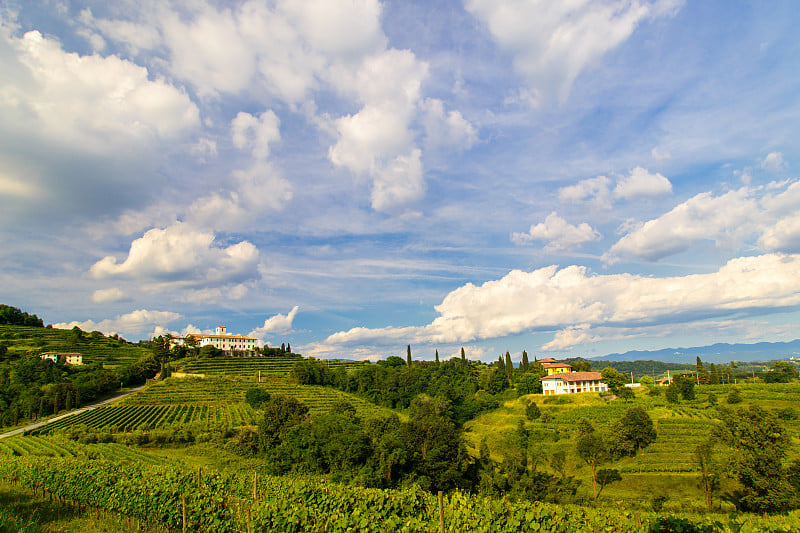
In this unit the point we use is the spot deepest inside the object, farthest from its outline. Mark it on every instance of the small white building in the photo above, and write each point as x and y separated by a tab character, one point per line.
71	358
573	382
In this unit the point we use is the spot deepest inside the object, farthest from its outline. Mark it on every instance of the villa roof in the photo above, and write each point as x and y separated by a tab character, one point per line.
200	336
574	376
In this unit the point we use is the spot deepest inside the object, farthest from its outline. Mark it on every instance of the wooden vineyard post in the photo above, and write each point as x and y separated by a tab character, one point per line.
441	512
183	512
249	519
638	519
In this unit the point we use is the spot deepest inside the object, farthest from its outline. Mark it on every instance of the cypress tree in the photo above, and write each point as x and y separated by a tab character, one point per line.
509	367
501	363
463	357
437	357
524	364
408	355
283	348
288	348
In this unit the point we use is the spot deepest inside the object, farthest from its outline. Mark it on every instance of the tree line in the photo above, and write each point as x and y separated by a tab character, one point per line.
31	387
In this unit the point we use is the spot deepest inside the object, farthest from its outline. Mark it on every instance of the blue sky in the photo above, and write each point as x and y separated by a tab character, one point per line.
572	178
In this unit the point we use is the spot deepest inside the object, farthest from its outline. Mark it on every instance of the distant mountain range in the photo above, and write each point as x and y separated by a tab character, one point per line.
716	353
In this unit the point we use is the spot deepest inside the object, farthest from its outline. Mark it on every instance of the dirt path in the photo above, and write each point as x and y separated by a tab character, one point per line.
59	417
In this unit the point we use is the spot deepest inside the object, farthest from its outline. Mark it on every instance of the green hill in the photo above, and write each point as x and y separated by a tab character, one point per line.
95	347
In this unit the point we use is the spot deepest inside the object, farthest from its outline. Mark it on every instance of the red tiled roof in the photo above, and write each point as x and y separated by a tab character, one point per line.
199	336
556	365
575	376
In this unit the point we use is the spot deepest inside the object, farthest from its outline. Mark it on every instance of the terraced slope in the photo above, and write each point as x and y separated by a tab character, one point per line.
250	367
177	402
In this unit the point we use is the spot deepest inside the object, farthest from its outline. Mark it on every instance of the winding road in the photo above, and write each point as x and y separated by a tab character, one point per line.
76	411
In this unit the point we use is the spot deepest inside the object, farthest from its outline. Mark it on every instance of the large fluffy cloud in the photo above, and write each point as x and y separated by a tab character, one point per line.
378	141
553	42
179	253
573	299
75	130
93	102
702	217
731	217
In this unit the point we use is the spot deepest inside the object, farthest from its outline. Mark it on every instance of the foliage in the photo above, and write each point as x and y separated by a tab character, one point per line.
709	473
673	393
31	387
734	396
394	384
532	411
155	494
631	433
761	444
614	380
16	317
592	449
671	524
781	372
607	476
255	397
685	386
280	414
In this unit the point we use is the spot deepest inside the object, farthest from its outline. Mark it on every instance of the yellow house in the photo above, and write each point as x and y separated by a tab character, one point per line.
556	368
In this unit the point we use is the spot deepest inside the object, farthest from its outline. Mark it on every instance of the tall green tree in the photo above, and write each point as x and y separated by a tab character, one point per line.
509	367
709	474
408	355
634	431
760	443
703	377
437	357
524	364
613	379
593	450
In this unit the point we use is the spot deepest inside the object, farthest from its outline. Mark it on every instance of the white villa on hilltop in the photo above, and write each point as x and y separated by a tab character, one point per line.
560	379
222	341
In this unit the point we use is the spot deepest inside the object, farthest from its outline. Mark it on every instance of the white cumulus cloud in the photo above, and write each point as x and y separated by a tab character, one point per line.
730	216
773	162
595	191
275	324
559	234
113	294
180	253
641	183
255	133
